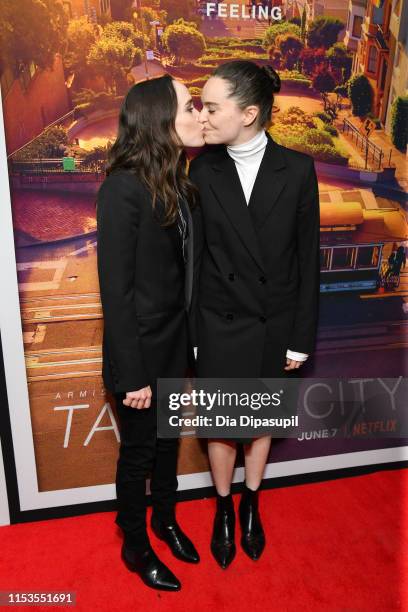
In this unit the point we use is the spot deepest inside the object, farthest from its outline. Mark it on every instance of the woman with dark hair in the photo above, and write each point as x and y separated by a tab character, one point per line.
145	275
256	236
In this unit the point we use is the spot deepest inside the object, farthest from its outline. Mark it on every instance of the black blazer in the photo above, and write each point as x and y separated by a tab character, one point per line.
257	266
145	287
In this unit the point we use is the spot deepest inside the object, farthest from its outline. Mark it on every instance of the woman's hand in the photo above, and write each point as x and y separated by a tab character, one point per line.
291	364
139	399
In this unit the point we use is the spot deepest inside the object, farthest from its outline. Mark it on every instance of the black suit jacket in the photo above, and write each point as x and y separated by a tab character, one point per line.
145	287
257	266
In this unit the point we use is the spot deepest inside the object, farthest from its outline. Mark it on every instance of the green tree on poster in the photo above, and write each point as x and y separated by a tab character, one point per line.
323	32
276	29
303	25
31	31
184	41
112	58
313	60
127	32
177	9
340	60
147	16
290	47
361	95
81	35
399	122
323	82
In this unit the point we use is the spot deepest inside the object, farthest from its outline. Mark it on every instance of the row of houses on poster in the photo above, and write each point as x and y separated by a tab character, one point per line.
376	32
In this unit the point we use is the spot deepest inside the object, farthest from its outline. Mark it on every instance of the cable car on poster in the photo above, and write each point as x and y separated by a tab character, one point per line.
352	241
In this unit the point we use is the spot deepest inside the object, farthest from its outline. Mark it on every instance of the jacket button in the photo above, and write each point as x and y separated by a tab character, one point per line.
262	319
262	280
231	276
229	316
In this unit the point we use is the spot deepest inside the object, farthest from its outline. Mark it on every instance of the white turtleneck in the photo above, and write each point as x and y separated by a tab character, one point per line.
247	157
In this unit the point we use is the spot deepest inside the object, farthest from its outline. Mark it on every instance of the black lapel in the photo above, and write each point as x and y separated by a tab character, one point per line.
171	230
177	241
226	185
190	256
270	181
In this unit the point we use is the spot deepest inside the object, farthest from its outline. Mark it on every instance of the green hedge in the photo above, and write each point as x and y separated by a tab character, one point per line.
226	41
317	137
219	56
296	83
331	130
325	117
399	122
320	152
101	101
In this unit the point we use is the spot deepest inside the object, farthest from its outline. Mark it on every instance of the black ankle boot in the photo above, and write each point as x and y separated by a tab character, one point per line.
180	545
253	537
222	541
151	570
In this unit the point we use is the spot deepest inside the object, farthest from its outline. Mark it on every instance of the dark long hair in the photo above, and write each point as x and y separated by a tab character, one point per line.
147	143
251	84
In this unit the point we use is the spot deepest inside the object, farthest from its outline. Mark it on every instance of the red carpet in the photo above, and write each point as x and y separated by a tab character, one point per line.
332	546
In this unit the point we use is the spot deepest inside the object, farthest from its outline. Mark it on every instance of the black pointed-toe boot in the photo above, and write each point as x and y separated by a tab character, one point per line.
253	536
180	545
151	570
223	536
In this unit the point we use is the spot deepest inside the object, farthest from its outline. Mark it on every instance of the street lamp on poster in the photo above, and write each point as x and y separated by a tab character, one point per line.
367	127
137	14
158	31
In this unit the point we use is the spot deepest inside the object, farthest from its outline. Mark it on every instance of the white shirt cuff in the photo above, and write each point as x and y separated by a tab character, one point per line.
296	356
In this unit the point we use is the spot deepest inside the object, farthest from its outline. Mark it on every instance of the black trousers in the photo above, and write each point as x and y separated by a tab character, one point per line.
142	454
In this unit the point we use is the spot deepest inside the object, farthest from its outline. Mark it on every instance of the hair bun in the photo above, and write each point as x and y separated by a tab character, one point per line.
273	76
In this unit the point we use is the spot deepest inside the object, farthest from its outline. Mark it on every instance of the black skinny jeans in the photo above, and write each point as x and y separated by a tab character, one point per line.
142	453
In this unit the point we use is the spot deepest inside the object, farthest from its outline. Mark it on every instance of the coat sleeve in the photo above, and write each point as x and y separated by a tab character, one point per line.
198	231
117	234
304	331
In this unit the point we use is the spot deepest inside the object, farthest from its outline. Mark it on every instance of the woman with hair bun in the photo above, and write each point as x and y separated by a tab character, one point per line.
255	301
